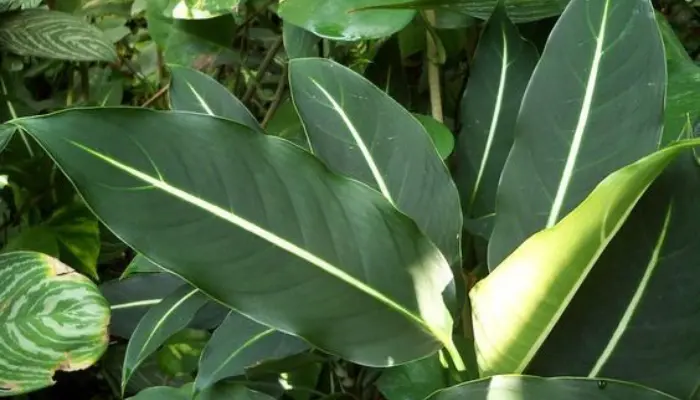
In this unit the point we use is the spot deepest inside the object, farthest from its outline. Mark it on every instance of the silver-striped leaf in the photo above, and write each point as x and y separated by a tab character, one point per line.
51	318
53	34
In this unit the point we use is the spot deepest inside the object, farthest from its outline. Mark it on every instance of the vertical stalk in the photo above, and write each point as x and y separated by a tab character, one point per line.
434	70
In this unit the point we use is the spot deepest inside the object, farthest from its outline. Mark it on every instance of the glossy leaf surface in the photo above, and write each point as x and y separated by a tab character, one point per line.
374	272
361	132
338	20
52	34
163	320
191	90
529	387
518	305
240	343
585	114
502	67
52	318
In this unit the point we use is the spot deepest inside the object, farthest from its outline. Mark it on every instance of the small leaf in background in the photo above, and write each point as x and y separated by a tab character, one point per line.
71	234
191	90
502	66
387	72
53	319
162	321
191	43
131	298
516	307
52	34
200	9
180	354
530	387
338	20
585	114
240	343
298	42
285	123
683	86
442	137
414	381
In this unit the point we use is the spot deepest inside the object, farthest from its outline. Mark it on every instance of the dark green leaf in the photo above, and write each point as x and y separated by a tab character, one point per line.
286	124
191	90
530	387
338	20
253	222
359	131
52	34
387	72
500	72
163	320
585	113
240	343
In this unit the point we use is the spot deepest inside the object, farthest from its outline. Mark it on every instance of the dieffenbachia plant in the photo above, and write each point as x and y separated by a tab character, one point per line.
351	244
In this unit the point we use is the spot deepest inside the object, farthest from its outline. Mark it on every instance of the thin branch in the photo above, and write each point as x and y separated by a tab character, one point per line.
434	71
267	61
277	98
156	96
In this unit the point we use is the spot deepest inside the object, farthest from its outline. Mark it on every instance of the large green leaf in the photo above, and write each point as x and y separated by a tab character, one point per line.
200	9
638	309
529	387
585	114
52	34
298	42
162	321
502	67
517	306
683	86
240	343
414	381
338	19
191	90
260	225
361	132
52	318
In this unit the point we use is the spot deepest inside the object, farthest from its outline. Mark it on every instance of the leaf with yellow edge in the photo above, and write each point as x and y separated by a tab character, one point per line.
517	306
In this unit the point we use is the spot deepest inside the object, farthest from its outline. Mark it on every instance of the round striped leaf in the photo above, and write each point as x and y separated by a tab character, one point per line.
53	34
51	318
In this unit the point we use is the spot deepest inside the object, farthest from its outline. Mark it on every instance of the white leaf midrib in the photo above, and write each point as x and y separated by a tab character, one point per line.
269	237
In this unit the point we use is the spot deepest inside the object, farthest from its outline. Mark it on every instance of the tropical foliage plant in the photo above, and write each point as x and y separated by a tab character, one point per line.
386	199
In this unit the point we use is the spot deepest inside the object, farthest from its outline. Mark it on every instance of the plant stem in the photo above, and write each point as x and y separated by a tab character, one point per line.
434	71
84	81
455	356
267	61
277	99
157	95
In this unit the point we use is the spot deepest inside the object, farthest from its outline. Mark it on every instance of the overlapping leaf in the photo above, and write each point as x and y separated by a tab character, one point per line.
530	387
52	34
518	305
339	19
191	90
502	67
169	316
51	318
585	113
360	132
240	343
248	220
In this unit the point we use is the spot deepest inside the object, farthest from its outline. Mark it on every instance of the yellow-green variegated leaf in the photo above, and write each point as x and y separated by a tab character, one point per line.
518	305
261	226
53	34
51	318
